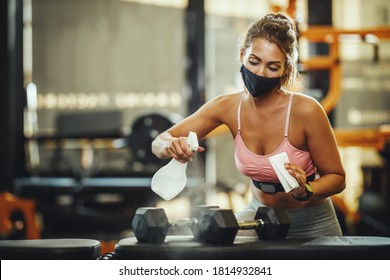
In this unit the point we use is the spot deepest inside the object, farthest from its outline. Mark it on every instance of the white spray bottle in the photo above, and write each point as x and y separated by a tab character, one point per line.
171	179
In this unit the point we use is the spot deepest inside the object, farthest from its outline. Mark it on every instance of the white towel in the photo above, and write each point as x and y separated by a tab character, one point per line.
288	181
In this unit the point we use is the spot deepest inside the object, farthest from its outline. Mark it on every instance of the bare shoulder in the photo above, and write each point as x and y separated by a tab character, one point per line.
227	98
307	105
224	101
310	113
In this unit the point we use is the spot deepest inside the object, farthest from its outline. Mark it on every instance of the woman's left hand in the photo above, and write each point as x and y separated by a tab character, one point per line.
298	173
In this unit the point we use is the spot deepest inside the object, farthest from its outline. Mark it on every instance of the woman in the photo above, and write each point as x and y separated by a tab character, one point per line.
265	119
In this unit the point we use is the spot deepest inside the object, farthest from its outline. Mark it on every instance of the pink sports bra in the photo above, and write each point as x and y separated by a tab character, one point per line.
258	167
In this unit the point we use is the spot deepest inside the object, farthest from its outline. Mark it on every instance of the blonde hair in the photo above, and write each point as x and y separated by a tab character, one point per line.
279	29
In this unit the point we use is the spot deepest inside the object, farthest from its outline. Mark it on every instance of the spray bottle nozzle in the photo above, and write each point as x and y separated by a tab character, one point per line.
192	141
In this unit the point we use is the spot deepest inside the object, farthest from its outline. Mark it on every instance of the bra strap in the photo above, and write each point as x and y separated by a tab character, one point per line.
239	113
288	115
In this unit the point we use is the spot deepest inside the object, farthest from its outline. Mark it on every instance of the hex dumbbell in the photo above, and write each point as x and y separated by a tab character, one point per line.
151	225
220	226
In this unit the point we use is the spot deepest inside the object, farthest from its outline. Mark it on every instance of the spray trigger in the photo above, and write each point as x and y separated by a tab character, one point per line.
192	141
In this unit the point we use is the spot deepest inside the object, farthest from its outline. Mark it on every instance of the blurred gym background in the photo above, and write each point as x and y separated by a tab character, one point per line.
87	85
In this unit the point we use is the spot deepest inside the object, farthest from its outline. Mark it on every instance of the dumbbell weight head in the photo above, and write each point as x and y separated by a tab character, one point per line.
150	225
219	226
275	223
197	213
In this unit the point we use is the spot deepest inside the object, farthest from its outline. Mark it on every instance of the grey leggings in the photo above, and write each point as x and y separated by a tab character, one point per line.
315	221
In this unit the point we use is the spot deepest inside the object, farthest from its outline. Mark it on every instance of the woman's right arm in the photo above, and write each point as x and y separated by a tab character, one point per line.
173	142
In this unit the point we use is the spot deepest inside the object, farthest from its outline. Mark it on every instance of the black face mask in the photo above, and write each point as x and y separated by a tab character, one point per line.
258	85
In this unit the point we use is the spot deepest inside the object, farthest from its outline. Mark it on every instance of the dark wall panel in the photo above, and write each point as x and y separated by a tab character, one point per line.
12	97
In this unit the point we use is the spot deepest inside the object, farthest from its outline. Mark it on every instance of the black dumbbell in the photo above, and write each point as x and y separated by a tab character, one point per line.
220	226
150	224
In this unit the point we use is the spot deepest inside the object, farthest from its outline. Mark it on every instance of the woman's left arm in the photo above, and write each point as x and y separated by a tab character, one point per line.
321	143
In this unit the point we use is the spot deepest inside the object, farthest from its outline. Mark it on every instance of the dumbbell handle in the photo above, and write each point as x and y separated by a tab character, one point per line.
182	222
255	224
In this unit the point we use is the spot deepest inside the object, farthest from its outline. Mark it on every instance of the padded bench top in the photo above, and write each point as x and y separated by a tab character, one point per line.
245	247
42	249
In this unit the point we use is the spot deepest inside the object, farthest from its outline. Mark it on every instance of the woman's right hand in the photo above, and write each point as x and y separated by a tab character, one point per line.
180	150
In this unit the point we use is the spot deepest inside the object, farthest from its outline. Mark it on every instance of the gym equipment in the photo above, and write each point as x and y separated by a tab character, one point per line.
150	224
144	130
180	247
81	125
50	249
17	217
220	226
72	127
171	179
